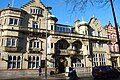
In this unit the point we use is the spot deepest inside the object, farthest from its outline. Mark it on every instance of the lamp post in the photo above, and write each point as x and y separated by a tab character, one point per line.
116	26
48	8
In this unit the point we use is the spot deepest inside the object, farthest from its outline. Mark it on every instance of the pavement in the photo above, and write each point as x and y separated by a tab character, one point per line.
33	75
34	78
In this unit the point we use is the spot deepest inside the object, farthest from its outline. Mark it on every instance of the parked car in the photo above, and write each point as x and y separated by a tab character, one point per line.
105	71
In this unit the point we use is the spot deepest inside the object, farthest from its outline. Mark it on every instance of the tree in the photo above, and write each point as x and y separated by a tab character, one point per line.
81	5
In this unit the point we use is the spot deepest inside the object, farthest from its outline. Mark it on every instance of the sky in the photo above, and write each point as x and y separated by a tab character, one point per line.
61	11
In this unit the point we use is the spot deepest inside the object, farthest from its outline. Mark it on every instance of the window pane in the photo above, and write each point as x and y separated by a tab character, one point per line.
2	42
51	27
13	42
29	58
51	45
57	28
33	65
34	44
33	10
14	64
37	64
11	21
37	59
18	58
35	24
21	22
63	29
37	44
8	41
10	65
15	22
33	58
18	64
29	64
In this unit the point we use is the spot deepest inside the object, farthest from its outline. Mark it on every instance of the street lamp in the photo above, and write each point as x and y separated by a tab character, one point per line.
116	26
48	8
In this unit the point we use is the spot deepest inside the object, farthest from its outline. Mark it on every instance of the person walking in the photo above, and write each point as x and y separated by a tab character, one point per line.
40	71
72	74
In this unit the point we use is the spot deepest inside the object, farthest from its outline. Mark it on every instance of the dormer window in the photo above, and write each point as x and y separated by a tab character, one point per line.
36	11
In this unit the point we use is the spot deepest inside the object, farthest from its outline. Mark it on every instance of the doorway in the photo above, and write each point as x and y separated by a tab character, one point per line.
62	63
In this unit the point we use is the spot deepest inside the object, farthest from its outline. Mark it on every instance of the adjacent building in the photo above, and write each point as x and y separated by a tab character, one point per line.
113	46
23	40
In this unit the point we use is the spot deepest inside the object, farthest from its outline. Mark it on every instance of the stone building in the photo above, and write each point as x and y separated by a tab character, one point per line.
23	40
113	46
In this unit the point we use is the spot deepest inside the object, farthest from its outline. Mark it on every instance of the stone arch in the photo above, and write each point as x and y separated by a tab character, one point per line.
77	45
62	44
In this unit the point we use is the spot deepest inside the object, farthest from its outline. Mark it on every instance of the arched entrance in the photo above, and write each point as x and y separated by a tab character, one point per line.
62	65
60	54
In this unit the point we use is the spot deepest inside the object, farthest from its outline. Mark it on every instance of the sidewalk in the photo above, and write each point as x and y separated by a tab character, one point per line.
34	76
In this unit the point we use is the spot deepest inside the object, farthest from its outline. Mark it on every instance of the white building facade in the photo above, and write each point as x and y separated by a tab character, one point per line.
23	40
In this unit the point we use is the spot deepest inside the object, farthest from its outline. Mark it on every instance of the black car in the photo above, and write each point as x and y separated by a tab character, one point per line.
105	71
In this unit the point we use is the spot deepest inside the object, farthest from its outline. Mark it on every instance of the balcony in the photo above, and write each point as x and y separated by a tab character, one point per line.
75	52
70	52
37	50
63	52
11	49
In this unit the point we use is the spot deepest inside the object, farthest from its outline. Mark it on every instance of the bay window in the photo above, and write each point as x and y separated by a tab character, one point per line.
10	42
14	62
33	62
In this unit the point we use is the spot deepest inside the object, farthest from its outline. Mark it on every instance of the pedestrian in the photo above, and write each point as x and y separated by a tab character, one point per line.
40	71
72	74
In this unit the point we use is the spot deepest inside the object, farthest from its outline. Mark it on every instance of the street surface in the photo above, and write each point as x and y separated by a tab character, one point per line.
56	78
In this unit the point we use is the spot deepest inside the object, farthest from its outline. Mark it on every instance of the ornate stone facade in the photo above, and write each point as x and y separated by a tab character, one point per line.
23	40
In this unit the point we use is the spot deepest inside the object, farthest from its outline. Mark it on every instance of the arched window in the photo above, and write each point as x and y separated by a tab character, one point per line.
29	62
14	61
18	62
33	66
37	62
9	61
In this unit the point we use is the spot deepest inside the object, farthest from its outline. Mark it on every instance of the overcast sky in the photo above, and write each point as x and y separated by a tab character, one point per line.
61	11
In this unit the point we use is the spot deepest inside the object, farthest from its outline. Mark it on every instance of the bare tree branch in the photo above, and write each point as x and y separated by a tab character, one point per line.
82	4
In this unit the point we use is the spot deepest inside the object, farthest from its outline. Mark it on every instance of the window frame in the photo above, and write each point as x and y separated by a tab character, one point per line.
13	22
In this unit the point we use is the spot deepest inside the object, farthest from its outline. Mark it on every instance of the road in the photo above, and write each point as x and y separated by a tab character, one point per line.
39	78
91	78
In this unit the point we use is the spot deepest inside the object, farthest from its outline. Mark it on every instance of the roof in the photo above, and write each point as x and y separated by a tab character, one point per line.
11	8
